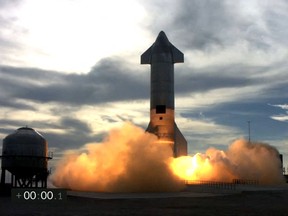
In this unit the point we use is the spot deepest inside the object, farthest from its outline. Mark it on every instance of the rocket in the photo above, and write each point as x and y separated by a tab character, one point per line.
162	56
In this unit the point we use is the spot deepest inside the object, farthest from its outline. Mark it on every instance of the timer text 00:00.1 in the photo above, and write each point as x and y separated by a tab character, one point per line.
28	194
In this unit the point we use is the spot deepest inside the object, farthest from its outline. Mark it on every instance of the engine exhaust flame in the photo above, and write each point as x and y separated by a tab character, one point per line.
131	160
128	160
243	160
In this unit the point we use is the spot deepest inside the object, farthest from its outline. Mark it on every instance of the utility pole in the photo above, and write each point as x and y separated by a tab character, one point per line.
249	133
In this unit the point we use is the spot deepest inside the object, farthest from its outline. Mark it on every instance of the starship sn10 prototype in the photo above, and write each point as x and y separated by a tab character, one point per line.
162	56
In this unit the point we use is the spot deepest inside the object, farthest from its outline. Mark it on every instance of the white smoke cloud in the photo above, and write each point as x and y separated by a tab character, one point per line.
128	160
131	160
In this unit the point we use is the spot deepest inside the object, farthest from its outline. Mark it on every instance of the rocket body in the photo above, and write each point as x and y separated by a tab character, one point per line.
161	56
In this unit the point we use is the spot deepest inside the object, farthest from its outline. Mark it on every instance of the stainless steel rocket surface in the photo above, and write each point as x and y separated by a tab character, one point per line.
162	56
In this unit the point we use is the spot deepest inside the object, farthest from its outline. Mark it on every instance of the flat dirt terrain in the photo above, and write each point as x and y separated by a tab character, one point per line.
245	203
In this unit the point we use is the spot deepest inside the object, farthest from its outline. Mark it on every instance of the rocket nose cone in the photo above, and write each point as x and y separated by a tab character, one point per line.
162	42
162	38
162	34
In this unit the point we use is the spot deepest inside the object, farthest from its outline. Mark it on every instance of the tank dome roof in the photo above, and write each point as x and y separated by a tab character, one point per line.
25	132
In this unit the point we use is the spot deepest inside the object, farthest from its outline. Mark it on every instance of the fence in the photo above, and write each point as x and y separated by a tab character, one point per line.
212	184
221	185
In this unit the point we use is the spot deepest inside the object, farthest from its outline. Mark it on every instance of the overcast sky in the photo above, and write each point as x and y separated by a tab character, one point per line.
71	68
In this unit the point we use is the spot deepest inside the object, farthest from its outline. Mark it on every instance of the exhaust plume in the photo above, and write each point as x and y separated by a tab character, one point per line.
243	160
128	160
131	160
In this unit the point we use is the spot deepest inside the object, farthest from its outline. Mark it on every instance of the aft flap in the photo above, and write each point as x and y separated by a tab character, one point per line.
146	56
177	55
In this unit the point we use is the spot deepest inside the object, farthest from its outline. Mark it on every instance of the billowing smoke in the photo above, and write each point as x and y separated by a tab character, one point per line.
130	160
244	160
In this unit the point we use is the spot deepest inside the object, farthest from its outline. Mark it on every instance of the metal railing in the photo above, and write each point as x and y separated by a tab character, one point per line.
245	182
212	184
220	186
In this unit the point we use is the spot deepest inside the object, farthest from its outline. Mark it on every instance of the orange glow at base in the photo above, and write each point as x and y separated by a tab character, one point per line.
191	168
127	160
132	160
244	160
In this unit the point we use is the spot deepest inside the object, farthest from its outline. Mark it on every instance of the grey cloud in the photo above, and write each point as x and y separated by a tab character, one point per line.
6	132
282	106
209	78
10	103
111	81
276	22
15	124
75	125
191	24
28	75
108	118
77	133
7	44
108	81
9	3
9	28
206	24
195	24
198	24
15	82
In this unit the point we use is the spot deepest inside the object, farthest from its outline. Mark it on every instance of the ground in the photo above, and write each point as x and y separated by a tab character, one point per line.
244	203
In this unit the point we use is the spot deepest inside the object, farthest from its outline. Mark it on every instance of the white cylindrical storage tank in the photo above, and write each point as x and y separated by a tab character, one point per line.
25	156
